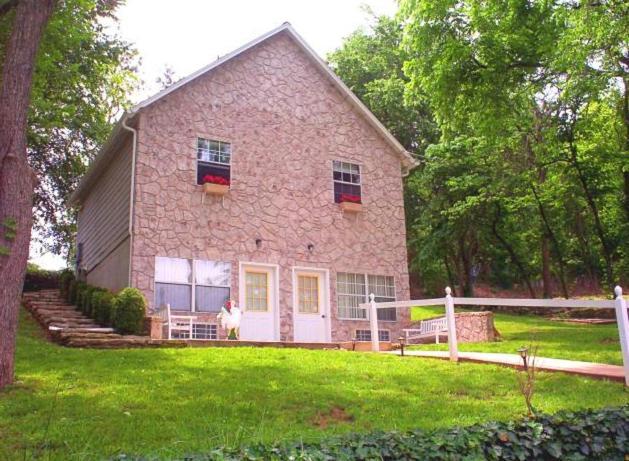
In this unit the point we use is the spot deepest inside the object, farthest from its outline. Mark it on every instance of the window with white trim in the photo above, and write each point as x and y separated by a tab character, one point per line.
213	159
346	178
191	285
353	290
365	335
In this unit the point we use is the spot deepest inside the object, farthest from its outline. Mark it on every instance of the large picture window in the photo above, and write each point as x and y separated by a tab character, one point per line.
346	178
213	159
354	289
191	285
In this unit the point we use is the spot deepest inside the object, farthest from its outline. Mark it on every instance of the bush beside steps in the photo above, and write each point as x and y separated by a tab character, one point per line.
585	435
124	311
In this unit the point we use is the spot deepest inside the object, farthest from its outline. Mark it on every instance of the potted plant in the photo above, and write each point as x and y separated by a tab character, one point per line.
215	185
351	203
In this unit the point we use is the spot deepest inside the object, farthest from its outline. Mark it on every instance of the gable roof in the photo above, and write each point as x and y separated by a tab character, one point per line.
408	161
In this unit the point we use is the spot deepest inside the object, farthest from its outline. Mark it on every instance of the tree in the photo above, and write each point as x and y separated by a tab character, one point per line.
532	80
81	79
16	176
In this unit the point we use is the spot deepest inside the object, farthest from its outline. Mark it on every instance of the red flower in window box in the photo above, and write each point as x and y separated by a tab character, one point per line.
215	185
350	198
350	203
208	178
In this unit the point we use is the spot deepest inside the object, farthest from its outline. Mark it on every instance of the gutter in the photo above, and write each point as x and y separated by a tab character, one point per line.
132	191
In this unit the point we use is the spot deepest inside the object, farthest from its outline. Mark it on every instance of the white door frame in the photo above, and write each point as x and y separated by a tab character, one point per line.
275	268
325	297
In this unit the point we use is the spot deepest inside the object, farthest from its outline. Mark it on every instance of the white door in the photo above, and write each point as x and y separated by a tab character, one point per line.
310	305
258	300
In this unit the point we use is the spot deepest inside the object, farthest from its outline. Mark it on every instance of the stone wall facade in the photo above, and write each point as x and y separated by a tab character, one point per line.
286	124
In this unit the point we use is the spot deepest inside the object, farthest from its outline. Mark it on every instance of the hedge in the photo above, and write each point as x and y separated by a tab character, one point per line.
585	435
102	307
65	279
37	278
129	311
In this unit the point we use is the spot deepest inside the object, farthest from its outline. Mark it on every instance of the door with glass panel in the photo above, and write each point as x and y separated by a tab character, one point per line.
310	305
259	303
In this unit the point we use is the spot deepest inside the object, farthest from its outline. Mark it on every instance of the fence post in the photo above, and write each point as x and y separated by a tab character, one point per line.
373	323
451	322
623	329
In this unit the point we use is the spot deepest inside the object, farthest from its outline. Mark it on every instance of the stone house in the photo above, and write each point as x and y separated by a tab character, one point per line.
260	178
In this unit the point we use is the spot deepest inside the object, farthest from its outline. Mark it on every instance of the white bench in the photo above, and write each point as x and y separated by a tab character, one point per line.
183	324
427	328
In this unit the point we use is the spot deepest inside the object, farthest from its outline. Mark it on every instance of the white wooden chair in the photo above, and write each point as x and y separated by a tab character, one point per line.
178	323
427	328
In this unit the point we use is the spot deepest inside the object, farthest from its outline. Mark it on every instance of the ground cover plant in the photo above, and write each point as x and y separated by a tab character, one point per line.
90	404
561	340
595	435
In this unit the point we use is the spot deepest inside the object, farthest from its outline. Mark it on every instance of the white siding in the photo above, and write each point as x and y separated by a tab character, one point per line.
103	220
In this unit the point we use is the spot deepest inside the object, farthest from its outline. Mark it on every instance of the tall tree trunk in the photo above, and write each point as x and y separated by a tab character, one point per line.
598	225
625	116
16	177
512	254
553	239
467	280
450	275
546	279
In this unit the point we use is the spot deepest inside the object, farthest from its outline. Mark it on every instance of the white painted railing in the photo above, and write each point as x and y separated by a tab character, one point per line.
619	304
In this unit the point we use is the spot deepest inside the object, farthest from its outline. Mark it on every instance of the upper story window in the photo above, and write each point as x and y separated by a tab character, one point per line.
346	182
213	159
191	285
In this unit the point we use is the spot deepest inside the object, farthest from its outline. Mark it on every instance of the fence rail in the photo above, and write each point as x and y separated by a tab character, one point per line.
619	304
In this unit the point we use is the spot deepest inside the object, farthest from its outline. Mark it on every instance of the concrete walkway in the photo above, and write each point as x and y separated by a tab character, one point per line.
592	370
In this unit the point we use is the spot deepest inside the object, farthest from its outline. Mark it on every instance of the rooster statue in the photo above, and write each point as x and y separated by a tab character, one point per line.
229	317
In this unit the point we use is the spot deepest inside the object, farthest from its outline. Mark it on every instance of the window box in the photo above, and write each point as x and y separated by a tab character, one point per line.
215	189
351	207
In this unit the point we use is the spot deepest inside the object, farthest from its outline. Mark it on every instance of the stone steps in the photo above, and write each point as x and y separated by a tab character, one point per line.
68	326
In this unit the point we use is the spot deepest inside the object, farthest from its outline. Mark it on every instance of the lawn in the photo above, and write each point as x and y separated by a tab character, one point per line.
90	404
562	340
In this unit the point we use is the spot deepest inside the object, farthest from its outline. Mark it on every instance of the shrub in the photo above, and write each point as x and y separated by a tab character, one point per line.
65	278
80	289
129	311
102	307
37	278
71	293
585	435
86	299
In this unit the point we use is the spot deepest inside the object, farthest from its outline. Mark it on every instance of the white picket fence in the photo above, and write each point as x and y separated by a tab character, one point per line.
619	304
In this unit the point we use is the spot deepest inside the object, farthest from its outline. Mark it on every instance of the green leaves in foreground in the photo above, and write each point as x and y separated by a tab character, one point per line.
587	435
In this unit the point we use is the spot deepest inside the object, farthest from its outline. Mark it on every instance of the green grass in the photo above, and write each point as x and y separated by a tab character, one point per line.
89	404
562	340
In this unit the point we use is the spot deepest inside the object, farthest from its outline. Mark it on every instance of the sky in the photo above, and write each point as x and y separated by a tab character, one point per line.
193	33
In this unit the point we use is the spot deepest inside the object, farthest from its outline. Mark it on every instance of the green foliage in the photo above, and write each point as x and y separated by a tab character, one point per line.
10	228
525	177
37	278
76	293
83	78
65	279
129	311
587	435
102	307
370	64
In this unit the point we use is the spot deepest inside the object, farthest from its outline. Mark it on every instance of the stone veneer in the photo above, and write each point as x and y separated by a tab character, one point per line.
475	327
286	123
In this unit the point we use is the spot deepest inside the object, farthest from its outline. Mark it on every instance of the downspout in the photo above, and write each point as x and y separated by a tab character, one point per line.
132	191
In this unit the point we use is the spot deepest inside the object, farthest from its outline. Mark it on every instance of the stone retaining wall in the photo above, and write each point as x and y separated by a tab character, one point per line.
474	327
